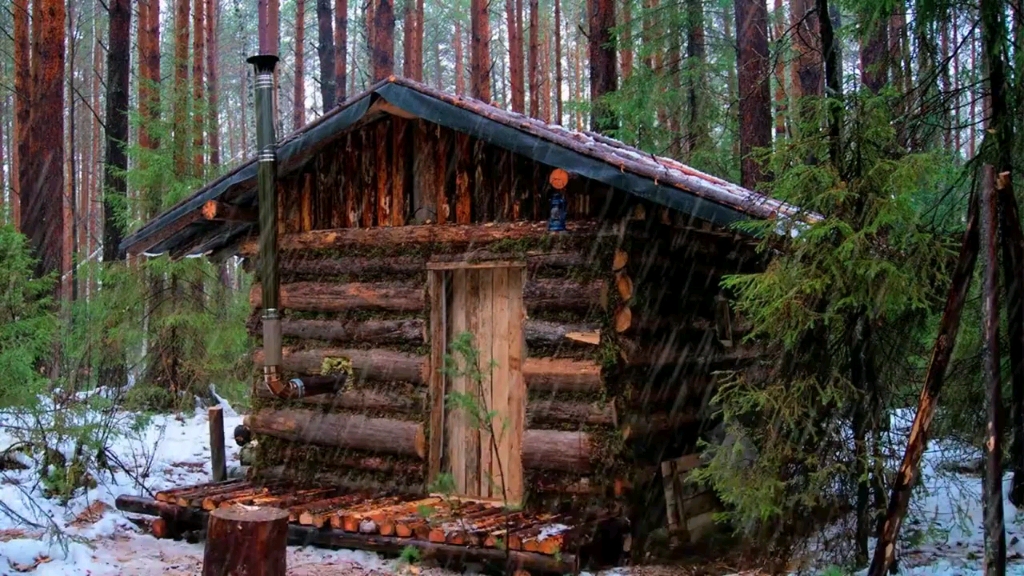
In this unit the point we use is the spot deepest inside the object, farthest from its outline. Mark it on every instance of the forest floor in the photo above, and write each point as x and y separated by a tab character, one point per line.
86	536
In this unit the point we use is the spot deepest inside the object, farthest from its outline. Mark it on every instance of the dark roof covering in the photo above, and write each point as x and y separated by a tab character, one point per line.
664	181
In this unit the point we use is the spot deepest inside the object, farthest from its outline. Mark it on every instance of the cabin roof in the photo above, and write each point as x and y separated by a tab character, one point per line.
664	181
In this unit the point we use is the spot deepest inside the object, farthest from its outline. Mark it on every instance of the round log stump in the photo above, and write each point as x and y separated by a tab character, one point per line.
246	541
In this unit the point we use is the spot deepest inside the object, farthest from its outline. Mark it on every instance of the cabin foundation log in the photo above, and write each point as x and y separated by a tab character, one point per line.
342	430
399	400
557	450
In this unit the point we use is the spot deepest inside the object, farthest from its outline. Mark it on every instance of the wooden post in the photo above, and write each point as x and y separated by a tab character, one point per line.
218	464
246	540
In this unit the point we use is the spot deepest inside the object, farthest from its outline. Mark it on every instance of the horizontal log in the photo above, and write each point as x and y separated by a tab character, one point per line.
424	235
345	460
166	510
541	374
370	365
540	412
370	400
562	375
411	331
356	266
557	450
341	297
539	294
637	426
343	430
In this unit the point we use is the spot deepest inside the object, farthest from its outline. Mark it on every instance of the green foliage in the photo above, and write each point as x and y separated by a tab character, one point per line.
28	326
865	255
409	555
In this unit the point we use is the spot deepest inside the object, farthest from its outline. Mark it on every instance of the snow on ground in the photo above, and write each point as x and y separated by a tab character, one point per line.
87	536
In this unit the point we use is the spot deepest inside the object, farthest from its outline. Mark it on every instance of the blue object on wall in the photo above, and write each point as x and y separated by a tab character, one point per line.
556	222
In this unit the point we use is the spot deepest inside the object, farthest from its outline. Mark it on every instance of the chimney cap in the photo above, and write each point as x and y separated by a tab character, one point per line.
263	62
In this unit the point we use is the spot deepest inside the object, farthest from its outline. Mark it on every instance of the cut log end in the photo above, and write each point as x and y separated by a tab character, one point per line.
246	540
623	319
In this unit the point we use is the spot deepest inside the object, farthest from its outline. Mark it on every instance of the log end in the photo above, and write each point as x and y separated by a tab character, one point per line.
623	319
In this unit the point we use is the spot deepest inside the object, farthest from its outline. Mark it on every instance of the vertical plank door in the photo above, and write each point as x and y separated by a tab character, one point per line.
482	432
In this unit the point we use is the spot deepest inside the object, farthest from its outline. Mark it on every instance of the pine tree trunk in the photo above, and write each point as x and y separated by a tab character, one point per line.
754	93
325	53
601	18
780	74
807	66
42	191
697	129
625	38
383	39
515	55
828	22
22	105
181	124
198	84
874	54
533	59
340	51
213	124
545	75
480	51
460	83
558	61
648	33
408	31
299	81
115	186
995	533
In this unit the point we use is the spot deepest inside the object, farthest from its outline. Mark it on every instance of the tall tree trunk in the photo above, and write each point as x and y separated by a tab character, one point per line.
42	191
198	83
299	84
533	59
325	53
340	51
778	31
827	23
22	105
480	55
412	64
69	275
460	83
514	15
545	75
383	39
697	129
874	52
601	18
114	184
181	124
995	533
213	125
578	75
649	33
754	93
807	66
625	39
149	89
558	61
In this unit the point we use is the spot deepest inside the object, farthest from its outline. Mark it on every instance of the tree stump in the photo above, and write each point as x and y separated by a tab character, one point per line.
246	541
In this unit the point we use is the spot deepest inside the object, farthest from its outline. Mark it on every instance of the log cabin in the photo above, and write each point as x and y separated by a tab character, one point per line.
521	312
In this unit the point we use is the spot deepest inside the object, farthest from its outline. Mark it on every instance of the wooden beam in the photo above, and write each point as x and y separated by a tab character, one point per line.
471	234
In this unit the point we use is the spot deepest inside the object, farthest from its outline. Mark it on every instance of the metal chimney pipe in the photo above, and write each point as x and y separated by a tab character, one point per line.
270	279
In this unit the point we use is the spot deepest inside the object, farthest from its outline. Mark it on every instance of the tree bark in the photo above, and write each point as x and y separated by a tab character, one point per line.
42	191
149	89
325	53
755	96
601	17
460	82
949	326
115	187
181	124
22	105
697	129
533	59
299	81
218	464
874	54
340	51
198	85
395	400
244	540
383	39
350	431
557	450
807	67
514	22
558	61
995	533
212	123
480	51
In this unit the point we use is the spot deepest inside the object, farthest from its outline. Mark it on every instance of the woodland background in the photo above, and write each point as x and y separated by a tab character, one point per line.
877	115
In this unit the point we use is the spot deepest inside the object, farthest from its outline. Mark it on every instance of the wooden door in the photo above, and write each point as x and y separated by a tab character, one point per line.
477	337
